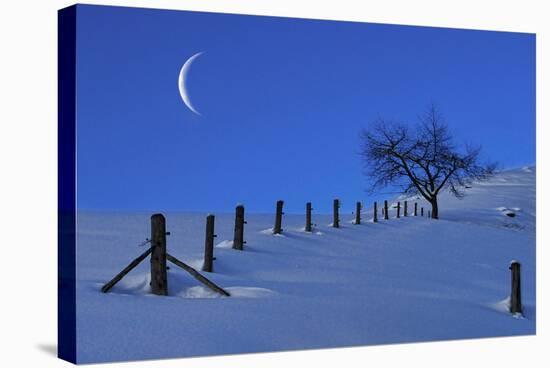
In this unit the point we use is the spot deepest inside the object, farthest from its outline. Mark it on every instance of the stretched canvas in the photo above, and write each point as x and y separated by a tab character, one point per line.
235	184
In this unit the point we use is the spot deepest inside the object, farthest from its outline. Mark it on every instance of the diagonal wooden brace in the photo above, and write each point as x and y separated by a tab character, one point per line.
125	271
197	275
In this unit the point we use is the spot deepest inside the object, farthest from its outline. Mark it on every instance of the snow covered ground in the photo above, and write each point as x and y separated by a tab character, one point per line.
401	280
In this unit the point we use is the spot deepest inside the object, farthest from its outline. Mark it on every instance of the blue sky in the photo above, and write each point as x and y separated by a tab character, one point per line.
282	103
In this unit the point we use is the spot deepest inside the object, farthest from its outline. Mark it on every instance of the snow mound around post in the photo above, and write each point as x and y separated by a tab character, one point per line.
225	244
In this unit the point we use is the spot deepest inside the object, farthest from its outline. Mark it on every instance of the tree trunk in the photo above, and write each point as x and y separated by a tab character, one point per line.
435	210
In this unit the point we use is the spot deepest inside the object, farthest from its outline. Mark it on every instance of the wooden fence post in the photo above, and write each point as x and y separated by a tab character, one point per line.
308	217
209	244
159	285
358	213
278	218
422	211
429	214
515	296
405	209
386	210
238	238
335	215
375	218
399	209
415	209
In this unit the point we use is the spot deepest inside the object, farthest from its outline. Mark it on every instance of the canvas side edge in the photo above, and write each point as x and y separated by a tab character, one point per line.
66	310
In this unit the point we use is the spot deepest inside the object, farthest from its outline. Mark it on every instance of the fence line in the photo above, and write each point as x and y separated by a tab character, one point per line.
160	256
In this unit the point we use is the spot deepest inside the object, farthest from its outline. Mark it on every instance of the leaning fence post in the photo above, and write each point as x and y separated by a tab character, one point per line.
158	255
209	244
335	215
398	209
405	209
415	208
358	213
386	210
515	296
422	211
238	238
278	218
308	217
375	218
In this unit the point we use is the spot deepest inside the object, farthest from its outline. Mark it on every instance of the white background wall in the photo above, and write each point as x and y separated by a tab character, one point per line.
28	181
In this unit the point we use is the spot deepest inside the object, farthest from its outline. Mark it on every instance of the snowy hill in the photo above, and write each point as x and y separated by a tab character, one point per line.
402	280
505	200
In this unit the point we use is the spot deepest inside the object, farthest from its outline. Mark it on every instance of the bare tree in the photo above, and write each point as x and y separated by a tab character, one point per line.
420	160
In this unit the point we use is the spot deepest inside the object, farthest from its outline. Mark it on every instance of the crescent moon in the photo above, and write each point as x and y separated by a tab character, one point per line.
182	79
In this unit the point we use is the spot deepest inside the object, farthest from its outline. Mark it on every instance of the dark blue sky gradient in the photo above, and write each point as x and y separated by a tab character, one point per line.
282	103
